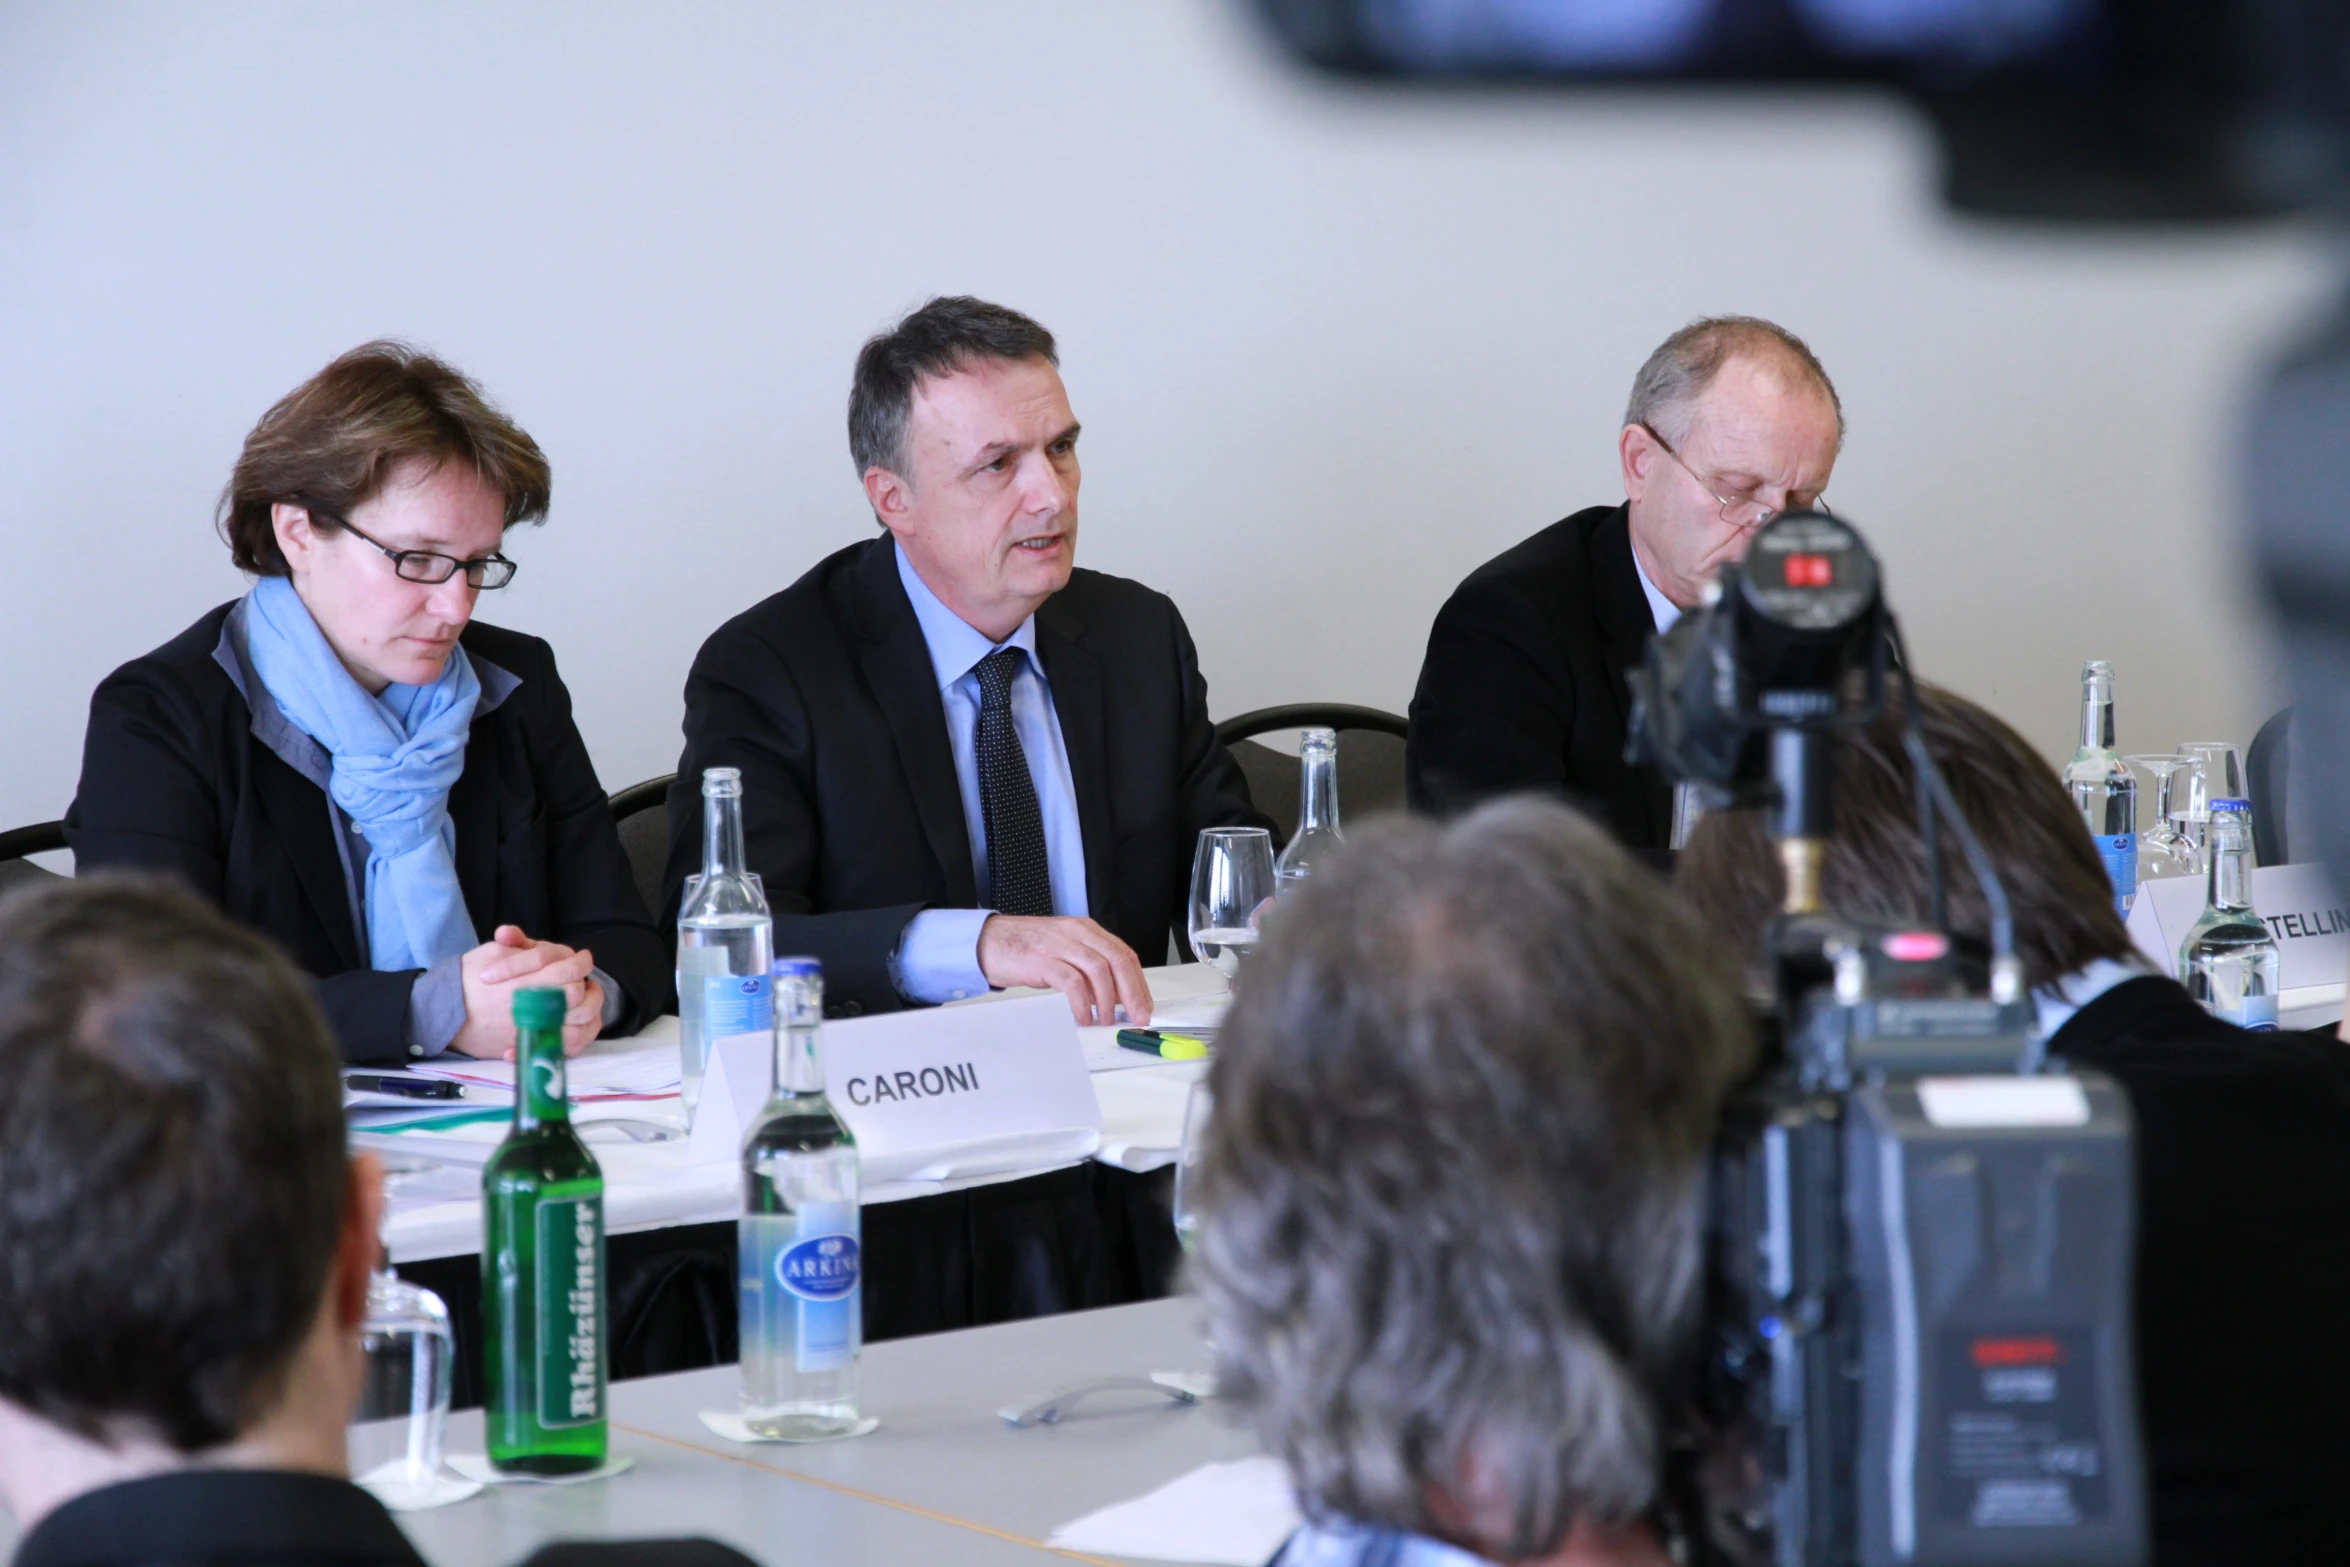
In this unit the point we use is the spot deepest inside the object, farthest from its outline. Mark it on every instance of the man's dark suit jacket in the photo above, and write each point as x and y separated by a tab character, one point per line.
1524	683
824	695
174	779
2243	1287
277	1518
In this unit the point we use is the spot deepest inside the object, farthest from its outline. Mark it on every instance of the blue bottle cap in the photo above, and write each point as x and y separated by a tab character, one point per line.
2218	806
797	968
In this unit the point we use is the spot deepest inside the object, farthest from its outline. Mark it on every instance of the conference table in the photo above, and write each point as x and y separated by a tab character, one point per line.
942	1479
1072	1230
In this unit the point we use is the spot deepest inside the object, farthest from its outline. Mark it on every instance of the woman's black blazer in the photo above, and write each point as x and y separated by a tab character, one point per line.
174	779
2243	1284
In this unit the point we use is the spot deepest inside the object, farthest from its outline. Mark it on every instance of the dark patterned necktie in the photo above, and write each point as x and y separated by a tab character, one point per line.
1019	876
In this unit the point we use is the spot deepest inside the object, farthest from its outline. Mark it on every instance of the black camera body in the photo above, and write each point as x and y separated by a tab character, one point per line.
1919	1311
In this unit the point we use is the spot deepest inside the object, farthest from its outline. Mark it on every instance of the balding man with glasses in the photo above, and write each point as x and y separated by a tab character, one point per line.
1731	421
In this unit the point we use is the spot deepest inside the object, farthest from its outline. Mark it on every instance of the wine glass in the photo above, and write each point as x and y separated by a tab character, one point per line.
2216	772
403	1411
1196	1109
2163	850
1231	883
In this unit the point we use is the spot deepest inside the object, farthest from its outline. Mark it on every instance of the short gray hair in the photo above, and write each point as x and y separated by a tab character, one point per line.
1452	1186
1685	364
947	334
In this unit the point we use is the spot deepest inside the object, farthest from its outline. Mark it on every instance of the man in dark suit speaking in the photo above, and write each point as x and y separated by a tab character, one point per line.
1731	422
965	763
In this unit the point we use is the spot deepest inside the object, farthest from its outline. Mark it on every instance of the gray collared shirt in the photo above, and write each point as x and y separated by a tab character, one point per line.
436	1006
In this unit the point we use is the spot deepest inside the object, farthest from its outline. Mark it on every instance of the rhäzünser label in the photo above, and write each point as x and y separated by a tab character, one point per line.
570	1311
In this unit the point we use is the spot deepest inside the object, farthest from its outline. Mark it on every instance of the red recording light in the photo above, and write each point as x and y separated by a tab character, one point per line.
1810	571
2041	1350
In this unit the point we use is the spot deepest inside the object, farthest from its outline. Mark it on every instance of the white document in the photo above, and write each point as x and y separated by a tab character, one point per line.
1237	1513
1142	1113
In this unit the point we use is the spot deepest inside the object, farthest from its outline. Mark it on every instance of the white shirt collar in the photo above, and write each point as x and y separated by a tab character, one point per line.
1662	610
2053	1005
955	644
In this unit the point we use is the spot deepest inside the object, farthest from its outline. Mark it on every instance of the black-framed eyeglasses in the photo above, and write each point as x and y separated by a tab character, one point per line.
427	566
1740	512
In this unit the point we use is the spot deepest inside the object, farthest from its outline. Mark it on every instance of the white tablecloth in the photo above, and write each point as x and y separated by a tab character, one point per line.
649	1186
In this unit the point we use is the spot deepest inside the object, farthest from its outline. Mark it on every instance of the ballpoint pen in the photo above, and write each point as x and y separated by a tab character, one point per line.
404	1087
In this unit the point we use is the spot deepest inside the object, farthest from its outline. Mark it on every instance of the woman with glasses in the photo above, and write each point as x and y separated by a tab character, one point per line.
346	760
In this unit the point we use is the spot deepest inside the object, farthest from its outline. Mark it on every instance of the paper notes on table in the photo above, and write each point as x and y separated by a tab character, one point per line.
1236	1513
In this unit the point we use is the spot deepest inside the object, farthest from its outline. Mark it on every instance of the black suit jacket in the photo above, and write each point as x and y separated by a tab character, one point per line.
173	779
1524	684
825	697
2243	1287
277	1518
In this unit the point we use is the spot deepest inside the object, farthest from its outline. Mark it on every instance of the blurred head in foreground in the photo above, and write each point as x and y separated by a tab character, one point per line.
1451	1232
184	1243
1876	863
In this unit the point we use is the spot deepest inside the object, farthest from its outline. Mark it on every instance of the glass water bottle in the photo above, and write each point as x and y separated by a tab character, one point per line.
725	940
802	1308
1317	811
2103	788
542	1267
2228	960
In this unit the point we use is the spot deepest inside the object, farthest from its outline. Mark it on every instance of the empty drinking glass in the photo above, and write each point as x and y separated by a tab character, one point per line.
1231	883
2215	772
1196	1109
2163	850
403	1412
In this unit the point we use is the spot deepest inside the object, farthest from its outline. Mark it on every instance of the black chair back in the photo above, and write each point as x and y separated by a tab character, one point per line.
2268	768
1370	758
17	847
642	810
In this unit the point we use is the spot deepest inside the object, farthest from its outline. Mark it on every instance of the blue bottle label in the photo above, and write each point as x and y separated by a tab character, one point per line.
2256	1014
737	1004
821	1270
2120	852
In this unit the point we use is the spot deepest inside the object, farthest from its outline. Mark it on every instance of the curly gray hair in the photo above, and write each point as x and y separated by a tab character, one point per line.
1452	1184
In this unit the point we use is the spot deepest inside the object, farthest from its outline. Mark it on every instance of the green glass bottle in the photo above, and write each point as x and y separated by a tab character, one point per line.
542	1267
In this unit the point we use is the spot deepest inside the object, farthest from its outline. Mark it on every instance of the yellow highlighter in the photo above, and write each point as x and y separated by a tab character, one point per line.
1168	1047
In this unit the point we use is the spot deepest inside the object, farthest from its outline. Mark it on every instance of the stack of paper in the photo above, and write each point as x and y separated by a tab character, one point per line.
1237	1512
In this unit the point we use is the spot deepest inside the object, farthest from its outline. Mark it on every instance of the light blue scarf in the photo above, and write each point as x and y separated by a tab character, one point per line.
395	758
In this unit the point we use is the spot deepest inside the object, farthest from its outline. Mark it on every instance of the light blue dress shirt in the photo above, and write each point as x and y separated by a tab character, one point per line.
938	957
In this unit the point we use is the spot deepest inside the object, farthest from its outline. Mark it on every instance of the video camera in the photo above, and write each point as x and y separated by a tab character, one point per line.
1921	1234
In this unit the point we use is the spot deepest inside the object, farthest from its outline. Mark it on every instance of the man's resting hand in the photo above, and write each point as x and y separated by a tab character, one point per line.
1094	969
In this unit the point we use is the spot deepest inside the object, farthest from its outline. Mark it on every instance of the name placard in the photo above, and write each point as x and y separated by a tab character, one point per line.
950	1091
2309	920
932	1094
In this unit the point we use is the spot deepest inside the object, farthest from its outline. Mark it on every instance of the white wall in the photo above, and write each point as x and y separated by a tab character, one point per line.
1332	348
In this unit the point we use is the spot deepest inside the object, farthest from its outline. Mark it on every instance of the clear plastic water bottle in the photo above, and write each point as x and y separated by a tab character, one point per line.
725	940
2228	960
802	1310
1317	811
2103	788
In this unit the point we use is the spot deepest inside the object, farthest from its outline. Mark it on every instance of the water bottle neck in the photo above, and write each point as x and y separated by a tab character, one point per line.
2097	708
722	835
1317	796
799	1046
542	1089
2231	864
